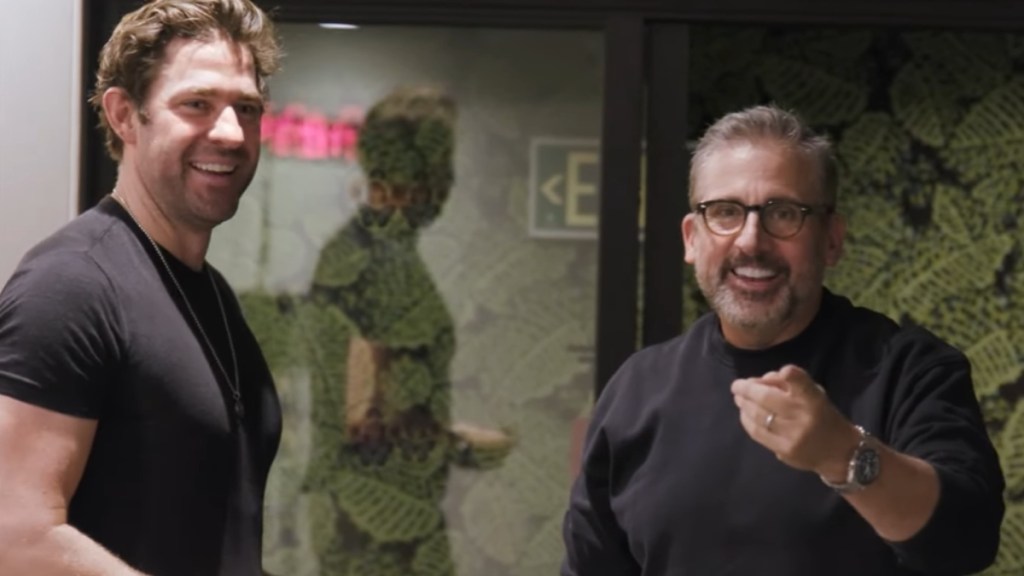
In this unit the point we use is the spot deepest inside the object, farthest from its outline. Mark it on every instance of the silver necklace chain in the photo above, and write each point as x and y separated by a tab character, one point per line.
233	385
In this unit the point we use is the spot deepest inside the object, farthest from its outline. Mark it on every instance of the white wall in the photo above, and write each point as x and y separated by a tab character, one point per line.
40	106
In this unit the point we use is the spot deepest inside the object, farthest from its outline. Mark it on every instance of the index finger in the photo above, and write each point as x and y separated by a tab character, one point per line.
789	376
757	390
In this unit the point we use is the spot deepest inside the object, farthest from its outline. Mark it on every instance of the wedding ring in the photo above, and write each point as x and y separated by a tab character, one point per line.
768	420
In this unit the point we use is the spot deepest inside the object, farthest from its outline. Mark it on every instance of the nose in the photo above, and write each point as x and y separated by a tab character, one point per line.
751	235
227	131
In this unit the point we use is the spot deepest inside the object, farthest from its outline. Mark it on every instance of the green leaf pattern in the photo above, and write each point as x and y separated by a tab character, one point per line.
820	94
386	513
991	137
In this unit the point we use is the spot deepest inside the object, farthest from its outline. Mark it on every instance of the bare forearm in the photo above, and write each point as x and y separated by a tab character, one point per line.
59	551
902	499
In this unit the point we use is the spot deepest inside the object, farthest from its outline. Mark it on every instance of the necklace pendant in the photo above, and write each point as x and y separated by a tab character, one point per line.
239	409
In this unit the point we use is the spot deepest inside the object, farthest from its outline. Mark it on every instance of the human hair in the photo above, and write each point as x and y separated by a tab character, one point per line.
132	57
773	124
407	143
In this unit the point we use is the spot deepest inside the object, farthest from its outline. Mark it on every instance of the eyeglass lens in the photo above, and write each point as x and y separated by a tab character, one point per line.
780	219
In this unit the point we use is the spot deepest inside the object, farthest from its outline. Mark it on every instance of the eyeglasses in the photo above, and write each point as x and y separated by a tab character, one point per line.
779	218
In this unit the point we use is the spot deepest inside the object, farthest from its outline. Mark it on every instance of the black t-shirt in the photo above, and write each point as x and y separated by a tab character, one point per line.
672	485
92	326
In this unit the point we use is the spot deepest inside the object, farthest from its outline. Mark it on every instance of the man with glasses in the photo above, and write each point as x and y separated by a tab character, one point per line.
789	432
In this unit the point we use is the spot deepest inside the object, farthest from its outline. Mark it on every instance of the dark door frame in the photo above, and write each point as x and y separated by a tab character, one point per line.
645	83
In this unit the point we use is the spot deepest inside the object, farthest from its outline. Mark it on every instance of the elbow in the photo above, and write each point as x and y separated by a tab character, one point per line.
969	558
22	541
15	541
970	554
980	531
13	535
984	540
976	546
963	535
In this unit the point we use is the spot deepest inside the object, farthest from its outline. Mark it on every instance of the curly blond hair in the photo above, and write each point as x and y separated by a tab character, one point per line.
132	56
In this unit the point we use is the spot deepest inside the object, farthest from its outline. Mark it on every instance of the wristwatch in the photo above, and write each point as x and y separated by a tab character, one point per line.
865	464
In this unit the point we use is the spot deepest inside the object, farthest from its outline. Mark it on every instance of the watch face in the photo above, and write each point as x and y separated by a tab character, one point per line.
866	469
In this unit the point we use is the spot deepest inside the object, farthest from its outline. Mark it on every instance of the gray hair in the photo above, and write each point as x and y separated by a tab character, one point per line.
771	123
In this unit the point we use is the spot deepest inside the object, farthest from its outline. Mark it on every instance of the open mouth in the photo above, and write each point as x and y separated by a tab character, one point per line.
216	169
756	275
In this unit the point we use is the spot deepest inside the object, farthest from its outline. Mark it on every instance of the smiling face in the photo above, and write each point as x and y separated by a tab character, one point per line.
765	290
195	142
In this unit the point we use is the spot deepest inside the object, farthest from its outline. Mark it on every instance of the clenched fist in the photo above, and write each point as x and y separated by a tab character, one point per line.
788	413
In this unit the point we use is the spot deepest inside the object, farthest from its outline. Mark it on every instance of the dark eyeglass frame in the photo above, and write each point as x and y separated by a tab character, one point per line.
805	211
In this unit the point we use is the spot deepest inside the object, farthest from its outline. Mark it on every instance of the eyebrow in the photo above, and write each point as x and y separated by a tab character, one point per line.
251	97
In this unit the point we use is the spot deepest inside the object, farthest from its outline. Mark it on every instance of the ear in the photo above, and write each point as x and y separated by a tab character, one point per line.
835	236
689	237
121	114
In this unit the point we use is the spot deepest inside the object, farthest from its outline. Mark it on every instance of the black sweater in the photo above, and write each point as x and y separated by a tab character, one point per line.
672	485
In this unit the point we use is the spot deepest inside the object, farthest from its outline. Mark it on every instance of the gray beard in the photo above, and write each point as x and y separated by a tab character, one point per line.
750	311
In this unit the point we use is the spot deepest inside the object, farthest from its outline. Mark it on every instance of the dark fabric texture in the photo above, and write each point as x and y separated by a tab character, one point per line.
91	326
672	485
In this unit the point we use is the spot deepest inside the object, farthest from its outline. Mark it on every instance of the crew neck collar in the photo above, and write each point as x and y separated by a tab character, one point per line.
796	350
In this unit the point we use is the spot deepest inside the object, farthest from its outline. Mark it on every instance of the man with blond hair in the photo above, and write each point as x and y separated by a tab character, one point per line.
138	419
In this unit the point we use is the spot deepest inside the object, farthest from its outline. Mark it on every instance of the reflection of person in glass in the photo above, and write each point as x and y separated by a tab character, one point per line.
382	432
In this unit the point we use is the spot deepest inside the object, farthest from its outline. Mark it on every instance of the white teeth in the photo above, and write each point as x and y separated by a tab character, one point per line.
218	168
751	272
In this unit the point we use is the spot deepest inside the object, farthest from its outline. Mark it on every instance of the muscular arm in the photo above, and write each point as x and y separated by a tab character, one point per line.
43	455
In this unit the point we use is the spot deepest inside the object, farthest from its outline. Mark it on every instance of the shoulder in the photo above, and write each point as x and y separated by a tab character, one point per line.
60	323
73	259
646	374
917	347
73	277
860	334
878	339
92	237
663	356
905	337
858	321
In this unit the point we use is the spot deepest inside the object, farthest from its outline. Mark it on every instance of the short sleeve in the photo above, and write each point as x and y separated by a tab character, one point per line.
58	333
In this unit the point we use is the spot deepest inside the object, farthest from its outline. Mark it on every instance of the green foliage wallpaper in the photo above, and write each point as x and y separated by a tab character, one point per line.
929	128
430	370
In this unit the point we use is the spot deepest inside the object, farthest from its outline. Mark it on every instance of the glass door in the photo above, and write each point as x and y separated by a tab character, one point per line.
417	255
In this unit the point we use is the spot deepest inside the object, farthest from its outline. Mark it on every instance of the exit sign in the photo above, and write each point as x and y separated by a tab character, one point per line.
564	187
